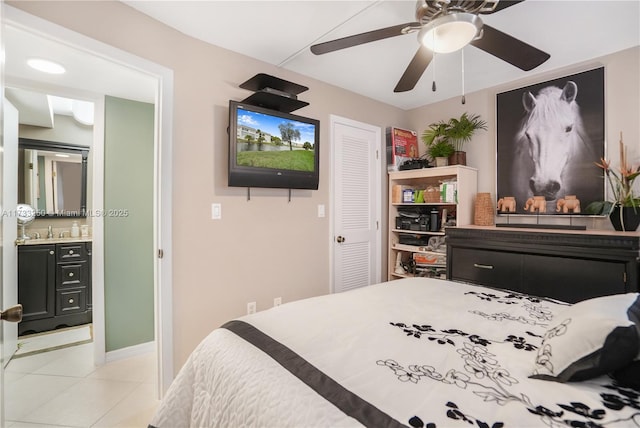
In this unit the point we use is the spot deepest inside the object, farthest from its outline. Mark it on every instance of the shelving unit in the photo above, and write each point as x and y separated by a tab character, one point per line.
415	241
274	93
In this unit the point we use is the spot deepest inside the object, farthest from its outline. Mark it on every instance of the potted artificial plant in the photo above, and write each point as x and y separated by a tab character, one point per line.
440	150
624	208
436	140
456	132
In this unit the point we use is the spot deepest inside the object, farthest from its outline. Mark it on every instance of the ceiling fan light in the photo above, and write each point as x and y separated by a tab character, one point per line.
450	33
45	66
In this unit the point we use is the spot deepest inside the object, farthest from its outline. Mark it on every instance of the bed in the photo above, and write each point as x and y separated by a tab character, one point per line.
416	352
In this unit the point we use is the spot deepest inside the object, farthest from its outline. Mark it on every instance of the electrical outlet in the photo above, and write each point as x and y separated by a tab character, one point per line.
277	301
251	308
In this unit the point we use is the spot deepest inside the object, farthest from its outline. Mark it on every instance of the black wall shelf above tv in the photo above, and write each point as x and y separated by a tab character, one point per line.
274	93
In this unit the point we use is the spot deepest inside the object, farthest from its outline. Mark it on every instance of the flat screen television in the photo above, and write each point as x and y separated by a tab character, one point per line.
269	148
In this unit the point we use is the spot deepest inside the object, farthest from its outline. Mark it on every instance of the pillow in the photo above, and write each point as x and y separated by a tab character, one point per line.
590	338
628	376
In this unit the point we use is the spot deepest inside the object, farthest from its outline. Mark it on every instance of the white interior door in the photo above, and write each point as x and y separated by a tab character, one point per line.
9	227
356	203
1	216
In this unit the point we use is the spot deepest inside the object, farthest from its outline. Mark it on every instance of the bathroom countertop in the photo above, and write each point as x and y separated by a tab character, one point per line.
64	240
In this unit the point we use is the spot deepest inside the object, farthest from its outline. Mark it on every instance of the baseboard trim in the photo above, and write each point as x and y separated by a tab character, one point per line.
131	351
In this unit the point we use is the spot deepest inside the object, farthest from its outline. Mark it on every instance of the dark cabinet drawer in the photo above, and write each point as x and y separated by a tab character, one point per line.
71	252
72	275
71	301
557	277
495	268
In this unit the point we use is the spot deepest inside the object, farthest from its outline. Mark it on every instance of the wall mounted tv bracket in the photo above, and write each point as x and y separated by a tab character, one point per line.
274	93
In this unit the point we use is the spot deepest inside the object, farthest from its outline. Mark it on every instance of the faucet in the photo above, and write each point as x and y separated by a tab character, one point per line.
62	232
36	235
50	232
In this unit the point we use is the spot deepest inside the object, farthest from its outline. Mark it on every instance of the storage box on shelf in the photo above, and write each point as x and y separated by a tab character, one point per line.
421	203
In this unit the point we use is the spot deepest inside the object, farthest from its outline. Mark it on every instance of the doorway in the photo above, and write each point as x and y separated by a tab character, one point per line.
54	163
54	40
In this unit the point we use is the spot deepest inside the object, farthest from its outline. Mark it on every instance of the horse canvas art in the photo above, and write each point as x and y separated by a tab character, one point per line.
549	137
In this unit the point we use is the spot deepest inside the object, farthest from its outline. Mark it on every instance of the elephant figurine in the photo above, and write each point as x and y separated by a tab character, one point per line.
569	204
537	203
507	204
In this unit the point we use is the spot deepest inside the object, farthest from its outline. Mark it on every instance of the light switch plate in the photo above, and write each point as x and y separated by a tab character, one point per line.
216	211
321	210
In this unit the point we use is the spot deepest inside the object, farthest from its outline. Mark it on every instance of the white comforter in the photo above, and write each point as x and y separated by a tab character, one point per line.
414	352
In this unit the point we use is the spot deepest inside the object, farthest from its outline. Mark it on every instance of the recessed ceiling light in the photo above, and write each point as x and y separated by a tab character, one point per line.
45	66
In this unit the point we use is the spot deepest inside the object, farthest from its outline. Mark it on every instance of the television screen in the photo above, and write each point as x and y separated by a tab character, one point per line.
269	148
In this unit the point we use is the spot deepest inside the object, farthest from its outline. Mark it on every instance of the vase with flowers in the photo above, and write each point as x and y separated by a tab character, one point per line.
624	206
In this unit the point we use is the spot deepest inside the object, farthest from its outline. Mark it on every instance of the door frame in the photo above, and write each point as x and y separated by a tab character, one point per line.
333	120
163	116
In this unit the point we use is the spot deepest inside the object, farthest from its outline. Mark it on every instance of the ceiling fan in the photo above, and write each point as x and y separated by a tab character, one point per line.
446	26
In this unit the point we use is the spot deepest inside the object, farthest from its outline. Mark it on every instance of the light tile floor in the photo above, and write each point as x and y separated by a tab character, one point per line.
63	388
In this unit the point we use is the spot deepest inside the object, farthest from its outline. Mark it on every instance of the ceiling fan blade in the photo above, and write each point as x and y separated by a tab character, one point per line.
414	70
503	4
362	38
510	49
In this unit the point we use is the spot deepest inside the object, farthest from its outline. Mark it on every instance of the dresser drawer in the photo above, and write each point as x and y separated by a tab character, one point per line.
487	267
543	274
71	252
71	301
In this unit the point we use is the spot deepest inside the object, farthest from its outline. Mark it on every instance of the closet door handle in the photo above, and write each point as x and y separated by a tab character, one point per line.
481	266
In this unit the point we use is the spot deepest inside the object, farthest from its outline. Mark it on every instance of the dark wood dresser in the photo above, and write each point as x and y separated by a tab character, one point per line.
565	265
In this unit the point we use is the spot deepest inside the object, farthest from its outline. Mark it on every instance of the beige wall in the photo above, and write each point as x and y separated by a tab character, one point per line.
261	249
622	110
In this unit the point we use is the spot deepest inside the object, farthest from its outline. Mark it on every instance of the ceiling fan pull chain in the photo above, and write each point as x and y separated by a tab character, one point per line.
433	85
463	98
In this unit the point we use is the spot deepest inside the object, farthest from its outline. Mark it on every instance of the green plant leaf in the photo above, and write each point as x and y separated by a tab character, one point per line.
456	131
599	208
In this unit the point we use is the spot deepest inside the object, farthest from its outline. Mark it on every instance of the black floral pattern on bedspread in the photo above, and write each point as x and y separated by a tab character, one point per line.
491	382
538	312
486	377
447	336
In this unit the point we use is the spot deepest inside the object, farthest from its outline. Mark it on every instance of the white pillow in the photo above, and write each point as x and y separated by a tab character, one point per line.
590	338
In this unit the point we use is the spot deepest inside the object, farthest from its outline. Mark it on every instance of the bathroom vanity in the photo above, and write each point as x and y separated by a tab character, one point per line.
54	284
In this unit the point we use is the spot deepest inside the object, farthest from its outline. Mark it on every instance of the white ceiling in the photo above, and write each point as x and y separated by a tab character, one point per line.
87	77
280	33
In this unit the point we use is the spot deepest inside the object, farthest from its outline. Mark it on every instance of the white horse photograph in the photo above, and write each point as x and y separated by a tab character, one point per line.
549	137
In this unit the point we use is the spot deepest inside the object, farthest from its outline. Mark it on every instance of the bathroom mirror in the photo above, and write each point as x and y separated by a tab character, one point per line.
52	177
